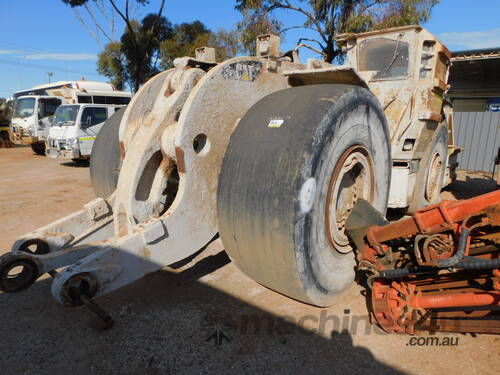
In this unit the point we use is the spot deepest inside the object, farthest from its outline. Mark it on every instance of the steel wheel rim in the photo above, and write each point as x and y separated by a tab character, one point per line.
352	178
433	175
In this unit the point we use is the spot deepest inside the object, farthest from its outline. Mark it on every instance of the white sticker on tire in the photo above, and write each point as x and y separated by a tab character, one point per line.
276	123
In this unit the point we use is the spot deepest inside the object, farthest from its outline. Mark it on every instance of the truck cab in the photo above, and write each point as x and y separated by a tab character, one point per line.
34	107
31	119
74	129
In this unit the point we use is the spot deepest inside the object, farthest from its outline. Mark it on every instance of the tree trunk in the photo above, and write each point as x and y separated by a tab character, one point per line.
330	51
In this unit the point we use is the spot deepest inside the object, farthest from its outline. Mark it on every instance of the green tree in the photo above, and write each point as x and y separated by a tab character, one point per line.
151	44
140	45
141	40
185	39
255	21
189	36
226	44
328	18
111	64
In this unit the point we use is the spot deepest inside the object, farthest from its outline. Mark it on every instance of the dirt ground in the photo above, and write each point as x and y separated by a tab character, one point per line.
171	321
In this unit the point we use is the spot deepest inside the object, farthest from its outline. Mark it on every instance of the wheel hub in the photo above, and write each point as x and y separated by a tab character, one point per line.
433	175
352	178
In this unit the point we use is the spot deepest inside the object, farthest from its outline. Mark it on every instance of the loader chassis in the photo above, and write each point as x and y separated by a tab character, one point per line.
270	153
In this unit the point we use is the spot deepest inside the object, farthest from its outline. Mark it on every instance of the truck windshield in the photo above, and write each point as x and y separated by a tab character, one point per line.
66	115
24	107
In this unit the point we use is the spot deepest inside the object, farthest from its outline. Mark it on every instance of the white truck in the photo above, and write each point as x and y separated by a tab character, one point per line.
74	129
34	108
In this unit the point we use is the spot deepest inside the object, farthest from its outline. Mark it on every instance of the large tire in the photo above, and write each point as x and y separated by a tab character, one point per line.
38	148
105	159
431	171
278	178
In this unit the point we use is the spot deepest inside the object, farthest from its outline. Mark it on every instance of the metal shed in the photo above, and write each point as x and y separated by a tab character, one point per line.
475	94
479	136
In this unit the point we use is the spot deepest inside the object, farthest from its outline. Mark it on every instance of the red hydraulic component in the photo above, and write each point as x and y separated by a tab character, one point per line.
399	308
456	300
432	219
439	270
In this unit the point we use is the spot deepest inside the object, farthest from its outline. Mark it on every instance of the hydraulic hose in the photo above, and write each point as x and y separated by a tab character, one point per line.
402	272
480	264
477	264
445	263
458	256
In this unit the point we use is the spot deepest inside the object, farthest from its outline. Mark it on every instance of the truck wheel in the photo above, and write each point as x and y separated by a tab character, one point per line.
105	159
431	170
295	165
38	148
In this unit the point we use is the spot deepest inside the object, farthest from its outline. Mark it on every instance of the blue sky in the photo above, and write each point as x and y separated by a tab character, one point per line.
40	36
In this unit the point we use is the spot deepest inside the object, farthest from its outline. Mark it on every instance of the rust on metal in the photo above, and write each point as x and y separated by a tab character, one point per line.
179	155
352	178
122	150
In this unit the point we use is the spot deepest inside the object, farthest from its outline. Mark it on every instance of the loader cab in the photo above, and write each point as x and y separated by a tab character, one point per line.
75	127
406	68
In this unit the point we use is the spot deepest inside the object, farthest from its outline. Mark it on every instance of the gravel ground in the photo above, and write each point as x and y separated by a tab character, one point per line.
171	321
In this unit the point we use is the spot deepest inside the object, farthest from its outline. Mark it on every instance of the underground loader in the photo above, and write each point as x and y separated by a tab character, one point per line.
279	158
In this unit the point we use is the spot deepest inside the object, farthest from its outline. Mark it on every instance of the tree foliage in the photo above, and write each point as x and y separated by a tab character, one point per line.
255	22
187	37
328	18
111	64
152	44
139	44
226	44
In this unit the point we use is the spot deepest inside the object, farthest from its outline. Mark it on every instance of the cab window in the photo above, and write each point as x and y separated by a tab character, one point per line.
84	99
388	58
48	106
97	115
111	99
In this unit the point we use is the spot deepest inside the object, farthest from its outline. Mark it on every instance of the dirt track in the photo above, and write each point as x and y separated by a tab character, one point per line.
163	322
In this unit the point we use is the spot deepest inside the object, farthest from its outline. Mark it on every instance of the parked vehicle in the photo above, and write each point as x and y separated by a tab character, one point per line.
74	129
5	116
33	108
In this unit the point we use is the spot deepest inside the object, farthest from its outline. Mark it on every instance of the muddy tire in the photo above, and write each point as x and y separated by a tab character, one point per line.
38	148
105	159
431	171
294	167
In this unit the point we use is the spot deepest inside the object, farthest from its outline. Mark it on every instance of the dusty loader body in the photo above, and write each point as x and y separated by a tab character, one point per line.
270	153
